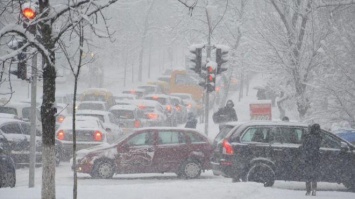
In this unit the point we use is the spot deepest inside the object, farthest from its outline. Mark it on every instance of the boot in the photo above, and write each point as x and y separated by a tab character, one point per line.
314	188
308	188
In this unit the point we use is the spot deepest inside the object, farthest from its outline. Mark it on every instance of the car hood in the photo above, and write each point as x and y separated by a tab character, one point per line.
95	149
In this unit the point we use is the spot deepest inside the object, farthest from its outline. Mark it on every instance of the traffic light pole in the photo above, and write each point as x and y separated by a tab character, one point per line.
33	117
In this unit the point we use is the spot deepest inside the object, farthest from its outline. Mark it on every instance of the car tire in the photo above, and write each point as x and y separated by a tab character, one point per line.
103	169
190	169
262	173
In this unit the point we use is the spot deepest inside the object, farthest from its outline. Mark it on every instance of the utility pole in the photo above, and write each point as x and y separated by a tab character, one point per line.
33	117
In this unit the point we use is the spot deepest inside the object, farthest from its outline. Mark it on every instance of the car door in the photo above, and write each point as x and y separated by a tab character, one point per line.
137	153
287	153
332	158
13	133
257	146
170	151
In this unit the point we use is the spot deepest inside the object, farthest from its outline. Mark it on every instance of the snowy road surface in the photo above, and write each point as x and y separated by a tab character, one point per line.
164	186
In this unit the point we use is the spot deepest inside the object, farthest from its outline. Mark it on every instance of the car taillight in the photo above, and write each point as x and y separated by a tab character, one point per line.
152	116
178	108
137	124
61	135
189	106
98	136
168	107
60	118
227	148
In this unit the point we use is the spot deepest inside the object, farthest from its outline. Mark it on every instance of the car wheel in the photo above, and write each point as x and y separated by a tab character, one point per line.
190	169
103	169
262	173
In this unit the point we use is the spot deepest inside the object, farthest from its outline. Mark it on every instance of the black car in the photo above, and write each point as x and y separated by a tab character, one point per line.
7	165
17	133
268	151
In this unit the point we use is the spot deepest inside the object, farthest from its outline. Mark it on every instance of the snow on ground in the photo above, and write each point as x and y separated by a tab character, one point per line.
168	186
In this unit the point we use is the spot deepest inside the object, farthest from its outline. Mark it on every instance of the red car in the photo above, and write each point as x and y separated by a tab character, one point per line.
185	152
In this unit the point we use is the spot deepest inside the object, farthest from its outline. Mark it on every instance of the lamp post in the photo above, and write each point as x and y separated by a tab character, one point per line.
29	13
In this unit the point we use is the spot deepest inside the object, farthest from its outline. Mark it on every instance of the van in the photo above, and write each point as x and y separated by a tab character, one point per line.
98	94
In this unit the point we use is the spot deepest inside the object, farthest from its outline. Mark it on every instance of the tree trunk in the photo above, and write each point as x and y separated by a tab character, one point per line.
47	109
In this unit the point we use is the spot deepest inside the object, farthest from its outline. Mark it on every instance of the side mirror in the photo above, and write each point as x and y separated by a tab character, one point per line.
344	147
124	147
108	130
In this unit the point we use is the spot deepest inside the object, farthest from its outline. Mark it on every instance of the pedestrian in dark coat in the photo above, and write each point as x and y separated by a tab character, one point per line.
225	114
311	156
191	121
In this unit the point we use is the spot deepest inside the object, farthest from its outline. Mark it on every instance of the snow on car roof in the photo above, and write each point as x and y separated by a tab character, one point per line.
124	107
96	112
92	102
8	115
5	120
181	94
80	122
276	123
146	102
157	95
124	95
96	90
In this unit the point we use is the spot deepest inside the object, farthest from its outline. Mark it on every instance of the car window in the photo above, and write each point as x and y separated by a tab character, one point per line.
291	135
141	139
12	128
195	138
26	112
90	106
112	118
100	117
26	128
123	114
170	137
260	134
8	110
329	141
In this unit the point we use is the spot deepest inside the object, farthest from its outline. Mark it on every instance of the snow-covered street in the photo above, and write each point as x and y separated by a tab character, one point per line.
164	186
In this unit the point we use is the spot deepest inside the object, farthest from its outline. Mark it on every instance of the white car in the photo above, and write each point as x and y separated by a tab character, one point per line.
128	116
124	96
90	131
109	121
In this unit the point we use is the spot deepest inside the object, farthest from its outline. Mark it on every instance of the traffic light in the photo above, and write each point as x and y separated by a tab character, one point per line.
21	71
197	59
29	13
211	76
221	59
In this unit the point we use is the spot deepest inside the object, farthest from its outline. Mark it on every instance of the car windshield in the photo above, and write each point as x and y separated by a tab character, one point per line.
123	114
8	110
158	99
100	117
90	106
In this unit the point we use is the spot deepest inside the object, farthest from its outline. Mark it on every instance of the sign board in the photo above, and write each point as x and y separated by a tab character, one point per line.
260	111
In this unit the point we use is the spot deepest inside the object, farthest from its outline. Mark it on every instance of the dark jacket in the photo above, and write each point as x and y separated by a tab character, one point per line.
310	152
225	114
191	122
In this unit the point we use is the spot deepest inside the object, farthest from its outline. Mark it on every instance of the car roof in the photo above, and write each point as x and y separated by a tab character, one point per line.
273	123
186	94
16	104
157	95
146	102
92	102
97	112
6	120
124	107
170	128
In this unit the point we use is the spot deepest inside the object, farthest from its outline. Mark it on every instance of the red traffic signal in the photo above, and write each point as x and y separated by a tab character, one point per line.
29	13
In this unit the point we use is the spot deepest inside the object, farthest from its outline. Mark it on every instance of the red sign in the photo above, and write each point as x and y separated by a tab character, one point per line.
261	111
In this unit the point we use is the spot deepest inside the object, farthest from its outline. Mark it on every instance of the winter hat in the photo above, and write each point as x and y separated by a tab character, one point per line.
230	103
315	128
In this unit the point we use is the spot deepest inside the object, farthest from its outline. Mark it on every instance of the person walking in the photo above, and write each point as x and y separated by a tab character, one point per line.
311	156
225	114
191	121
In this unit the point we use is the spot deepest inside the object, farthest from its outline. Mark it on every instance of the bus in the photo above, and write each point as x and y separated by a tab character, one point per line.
183	82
